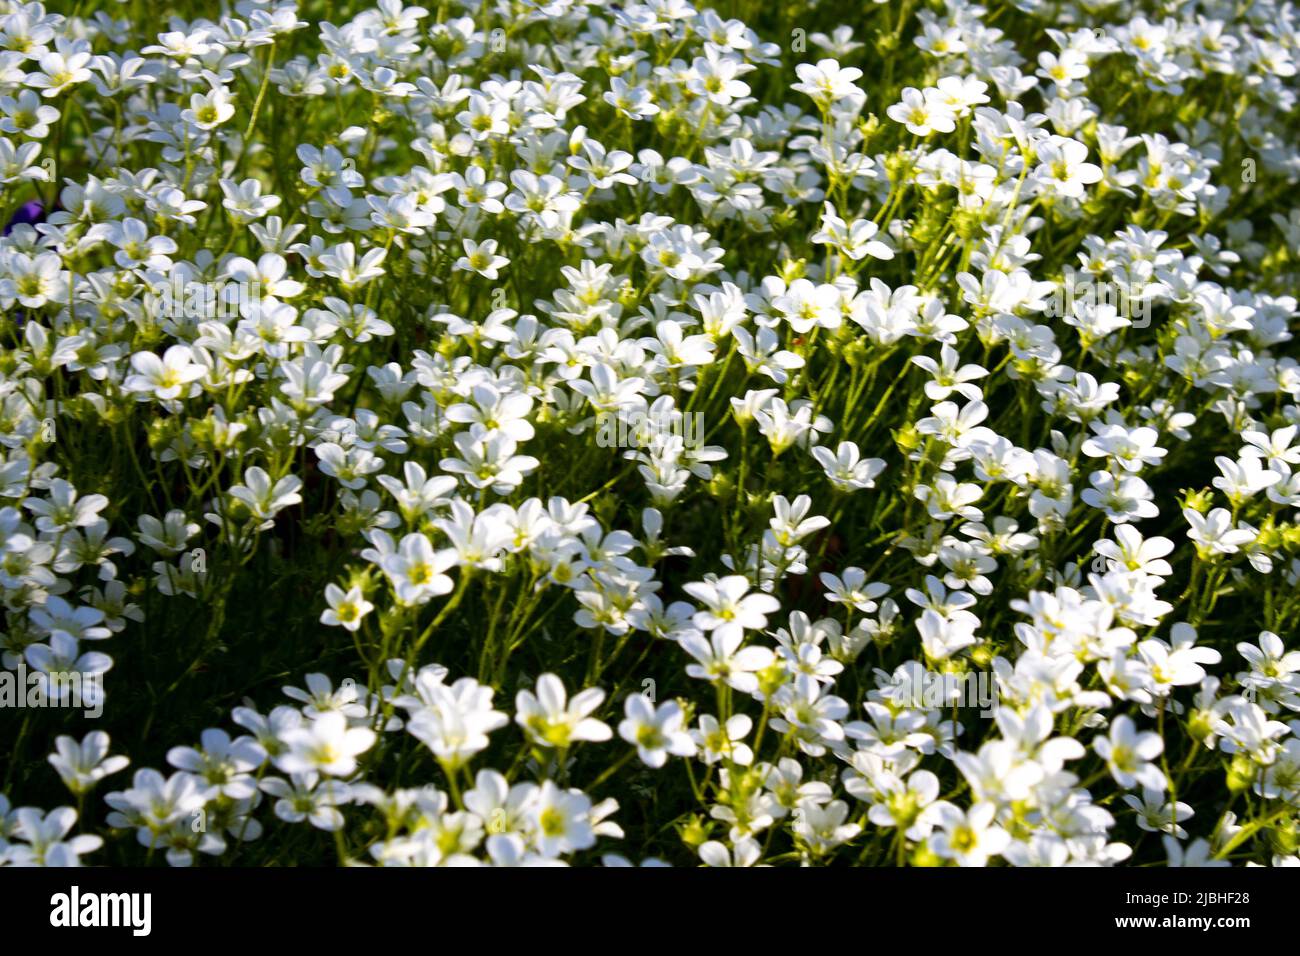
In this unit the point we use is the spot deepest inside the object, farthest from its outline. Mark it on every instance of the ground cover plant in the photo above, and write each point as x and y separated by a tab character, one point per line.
565	432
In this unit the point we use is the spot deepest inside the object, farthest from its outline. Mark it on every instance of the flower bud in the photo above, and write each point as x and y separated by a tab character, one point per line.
1241	773
693	832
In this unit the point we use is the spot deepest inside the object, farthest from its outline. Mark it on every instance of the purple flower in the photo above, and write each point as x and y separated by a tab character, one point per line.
29	213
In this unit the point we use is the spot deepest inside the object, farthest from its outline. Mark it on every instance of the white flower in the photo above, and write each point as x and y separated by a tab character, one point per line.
209	110
560	821
720	657
346	608
727	601
165	378
551	719
724	741
1063	169
82	765
452	721
1128	754
325	745
923	113
634	102
826	81
416	570
264	498
1214	533
42	835
745	852
656	731
969	838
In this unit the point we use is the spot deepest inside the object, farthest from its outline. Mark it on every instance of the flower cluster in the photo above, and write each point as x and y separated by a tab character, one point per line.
706	384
